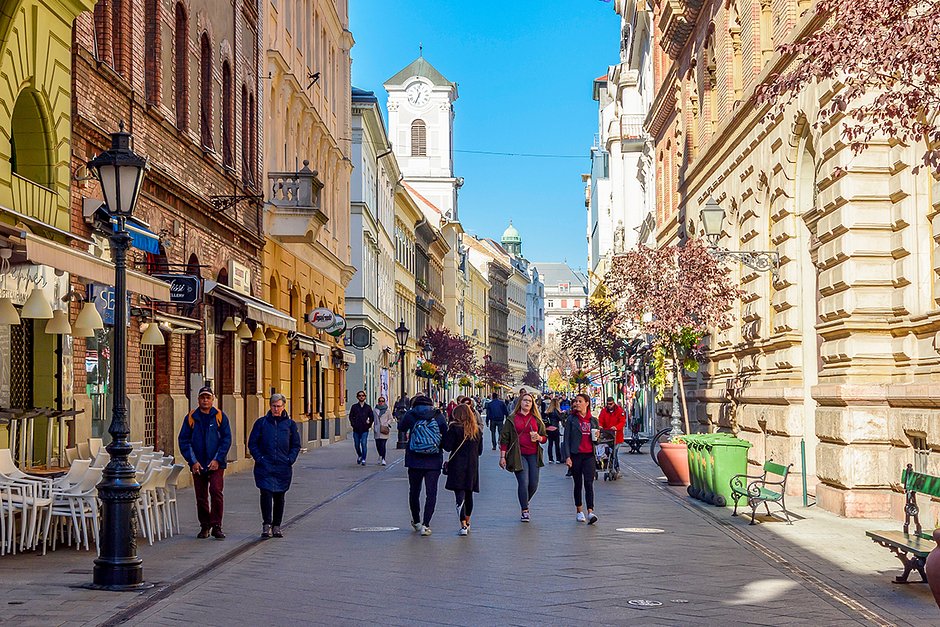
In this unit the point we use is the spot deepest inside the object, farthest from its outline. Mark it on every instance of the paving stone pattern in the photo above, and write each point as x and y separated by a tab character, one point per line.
705	568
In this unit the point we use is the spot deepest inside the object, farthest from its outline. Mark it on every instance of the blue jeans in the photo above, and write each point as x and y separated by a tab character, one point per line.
528	479
361	440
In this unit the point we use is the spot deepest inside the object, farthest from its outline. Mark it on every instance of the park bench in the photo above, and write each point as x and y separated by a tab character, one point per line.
911	548
762	488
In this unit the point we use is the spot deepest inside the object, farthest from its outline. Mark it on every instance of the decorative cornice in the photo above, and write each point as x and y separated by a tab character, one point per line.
676	23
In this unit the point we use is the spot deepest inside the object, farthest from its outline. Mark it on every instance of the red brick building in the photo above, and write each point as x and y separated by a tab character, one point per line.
184	77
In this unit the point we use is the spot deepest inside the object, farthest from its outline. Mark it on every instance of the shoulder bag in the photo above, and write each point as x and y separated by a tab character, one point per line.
444	468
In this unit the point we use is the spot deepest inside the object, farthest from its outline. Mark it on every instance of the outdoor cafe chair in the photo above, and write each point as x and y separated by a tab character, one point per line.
73	477
95	445
84	450
78	505
101	459
71	454
168	495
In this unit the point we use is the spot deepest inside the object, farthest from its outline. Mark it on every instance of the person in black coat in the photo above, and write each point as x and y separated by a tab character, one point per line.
274	444
464	440
554	419
421	424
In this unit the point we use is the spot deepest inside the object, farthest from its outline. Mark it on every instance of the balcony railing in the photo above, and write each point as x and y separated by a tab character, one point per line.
294	210
36	201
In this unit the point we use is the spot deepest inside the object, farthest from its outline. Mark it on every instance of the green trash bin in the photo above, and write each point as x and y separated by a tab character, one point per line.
728	458
709	488
696	476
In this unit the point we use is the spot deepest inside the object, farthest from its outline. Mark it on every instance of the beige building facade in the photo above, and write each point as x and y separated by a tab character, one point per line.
839	353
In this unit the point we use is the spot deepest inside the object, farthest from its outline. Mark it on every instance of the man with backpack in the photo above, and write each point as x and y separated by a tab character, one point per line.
425	427
204	441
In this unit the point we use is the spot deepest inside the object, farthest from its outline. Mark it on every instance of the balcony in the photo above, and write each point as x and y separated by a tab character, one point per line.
36	201
676	23
293	210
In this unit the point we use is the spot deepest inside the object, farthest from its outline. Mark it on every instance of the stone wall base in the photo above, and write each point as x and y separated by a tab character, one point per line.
855	503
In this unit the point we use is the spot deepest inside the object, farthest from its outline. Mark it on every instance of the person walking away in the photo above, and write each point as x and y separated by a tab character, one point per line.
613	417
581	431
381	428
464	440
521	451
361	418
425	426
553	422
496	412
565	404
204	441
274	444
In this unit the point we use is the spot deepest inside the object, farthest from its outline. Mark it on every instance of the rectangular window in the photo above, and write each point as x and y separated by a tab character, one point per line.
564	303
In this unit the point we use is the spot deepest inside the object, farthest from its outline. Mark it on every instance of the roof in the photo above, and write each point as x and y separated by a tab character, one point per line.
554	273
420	67
361	95
511	235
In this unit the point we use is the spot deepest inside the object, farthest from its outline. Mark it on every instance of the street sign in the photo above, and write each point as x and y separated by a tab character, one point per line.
360	337
185	289
338	327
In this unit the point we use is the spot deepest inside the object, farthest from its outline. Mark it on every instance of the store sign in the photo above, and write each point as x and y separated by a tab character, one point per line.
338	328
239	276
321	318
103	298
360	337
185	289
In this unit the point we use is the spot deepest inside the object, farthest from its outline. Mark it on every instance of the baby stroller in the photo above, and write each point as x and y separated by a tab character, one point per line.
605	454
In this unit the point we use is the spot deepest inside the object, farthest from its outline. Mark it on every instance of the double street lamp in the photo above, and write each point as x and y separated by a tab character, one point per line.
121	174
712	216
401	335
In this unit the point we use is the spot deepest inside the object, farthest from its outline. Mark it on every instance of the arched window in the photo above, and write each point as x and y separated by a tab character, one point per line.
181	56
152	73
121	35
205	92
103	31
419	139
30	153
228	156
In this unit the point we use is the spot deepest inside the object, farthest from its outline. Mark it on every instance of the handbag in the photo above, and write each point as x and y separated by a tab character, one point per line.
444	467
384	429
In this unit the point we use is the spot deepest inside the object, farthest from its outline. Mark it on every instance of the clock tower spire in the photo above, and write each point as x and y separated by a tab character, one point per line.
421	127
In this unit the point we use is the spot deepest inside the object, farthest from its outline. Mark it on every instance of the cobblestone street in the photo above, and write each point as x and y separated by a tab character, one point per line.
704	568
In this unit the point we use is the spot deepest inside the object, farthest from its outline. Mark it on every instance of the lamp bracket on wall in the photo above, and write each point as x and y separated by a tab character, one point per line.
313	79
760	260
224	203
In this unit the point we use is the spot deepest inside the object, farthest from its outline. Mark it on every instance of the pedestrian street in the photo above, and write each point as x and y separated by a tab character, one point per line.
652	559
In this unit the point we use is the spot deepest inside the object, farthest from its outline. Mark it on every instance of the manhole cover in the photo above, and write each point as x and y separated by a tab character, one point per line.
644	603
641	530
374	529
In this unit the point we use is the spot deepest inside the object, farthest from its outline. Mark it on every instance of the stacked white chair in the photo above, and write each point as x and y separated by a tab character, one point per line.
29	497
78	504
168	496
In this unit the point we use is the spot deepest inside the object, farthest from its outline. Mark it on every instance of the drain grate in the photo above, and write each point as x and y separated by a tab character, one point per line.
374	529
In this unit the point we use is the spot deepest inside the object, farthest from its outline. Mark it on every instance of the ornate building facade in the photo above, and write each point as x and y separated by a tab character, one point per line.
838	352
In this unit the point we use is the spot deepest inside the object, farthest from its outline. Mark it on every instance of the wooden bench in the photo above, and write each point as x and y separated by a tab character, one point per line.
911	548
761	488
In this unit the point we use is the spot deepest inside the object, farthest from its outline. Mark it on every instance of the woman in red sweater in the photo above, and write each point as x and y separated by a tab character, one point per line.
521	451
581	431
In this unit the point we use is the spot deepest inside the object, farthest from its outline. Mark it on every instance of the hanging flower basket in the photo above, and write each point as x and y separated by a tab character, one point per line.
465	382
426	370
579	378
480	385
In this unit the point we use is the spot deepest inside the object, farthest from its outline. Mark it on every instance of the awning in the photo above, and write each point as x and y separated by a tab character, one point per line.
142	238
323	349
72	260
349	357
255	308
305	343
178	322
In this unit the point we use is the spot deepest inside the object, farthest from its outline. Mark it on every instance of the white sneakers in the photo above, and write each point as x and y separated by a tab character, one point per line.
416	526
463	531
383	461
592	518
425	531
581	517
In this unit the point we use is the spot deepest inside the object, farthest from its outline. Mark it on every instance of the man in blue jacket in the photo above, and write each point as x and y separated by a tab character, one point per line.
204	440
496	412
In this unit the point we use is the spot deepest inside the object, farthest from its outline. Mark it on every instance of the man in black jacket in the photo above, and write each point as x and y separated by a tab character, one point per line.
361	418
496	412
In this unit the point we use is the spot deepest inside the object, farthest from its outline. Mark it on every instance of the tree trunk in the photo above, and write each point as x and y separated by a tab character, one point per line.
678	373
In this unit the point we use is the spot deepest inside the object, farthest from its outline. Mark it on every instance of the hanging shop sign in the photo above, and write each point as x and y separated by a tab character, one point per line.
321	318
185	289
338	328
103	298
239	277
360	337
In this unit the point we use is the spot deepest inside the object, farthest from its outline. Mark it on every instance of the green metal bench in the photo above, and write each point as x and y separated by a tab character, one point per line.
757	489
911	548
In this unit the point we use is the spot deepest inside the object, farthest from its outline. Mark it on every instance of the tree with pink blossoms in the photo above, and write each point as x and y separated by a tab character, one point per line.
674	295
883	58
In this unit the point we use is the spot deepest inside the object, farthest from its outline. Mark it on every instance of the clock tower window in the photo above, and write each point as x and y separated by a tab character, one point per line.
419	139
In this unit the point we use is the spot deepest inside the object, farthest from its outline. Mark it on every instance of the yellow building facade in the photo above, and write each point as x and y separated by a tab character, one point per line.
306	256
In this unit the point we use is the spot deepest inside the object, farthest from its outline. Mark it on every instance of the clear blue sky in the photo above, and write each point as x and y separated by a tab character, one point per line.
525	72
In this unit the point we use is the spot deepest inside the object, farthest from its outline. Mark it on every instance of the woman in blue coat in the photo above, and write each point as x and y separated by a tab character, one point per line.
274	444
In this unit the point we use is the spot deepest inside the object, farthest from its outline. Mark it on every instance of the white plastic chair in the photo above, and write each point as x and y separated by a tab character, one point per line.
147	499
71	454
74	476
84	450
170	506
101	459
95	445
78	505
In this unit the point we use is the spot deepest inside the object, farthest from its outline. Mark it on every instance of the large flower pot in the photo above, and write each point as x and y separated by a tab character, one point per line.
933	569
673	459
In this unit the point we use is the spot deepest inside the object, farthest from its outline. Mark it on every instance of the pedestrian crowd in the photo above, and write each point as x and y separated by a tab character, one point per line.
438	441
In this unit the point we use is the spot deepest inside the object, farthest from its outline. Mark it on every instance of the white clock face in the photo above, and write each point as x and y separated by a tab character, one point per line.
418	94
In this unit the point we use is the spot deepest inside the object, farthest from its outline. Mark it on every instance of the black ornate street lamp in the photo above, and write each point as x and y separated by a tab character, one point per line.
121	174
428	353
712	216
401	335
578	362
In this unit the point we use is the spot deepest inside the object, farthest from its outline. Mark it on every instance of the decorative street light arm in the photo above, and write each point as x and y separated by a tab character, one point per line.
760	260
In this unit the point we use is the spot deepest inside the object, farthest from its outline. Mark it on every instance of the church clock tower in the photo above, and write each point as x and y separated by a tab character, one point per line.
421	128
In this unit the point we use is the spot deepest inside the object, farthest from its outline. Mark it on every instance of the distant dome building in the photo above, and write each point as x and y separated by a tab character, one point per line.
512	241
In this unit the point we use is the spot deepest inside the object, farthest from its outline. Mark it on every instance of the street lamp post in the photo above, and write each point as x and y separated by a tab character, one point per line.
118	567
578	362
712	216
428	353
401	335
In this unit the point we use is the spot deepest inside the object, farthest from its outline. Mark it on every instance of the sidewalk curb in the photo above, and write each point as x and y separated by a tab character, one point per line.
163	592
